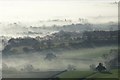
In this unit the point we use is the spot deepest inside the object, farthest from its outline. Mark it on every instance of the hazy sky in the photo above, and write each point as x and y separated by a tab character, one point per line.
34	10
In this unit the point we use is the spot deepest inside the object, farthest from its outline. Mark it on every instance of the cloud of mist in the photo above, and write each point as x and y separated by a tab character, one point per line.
38	62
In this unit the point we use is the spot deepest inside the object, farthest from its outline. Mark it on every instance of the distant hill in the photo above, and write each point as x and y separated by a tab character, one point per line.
62	39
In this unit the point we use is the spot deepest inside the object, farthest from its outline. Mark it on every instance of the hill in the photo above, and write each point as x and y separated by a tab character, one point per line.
61	39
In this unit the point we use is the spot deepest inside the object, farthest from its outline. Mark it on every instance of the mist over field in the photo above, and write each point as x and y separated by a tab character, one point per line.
80	58
23	57
43	38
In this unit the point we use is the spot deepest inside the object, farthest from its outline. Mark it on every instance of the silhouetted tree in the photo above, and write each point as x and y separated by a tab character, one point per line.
100	68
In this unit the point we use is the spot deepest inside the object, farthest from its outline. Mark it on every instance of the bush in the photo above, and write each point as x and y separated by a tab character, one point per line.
29	68
71	68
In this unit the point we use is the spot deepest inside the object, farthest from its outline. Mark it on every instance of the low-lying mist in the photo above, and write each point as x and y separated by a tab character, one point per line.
79	59
49	61
42	62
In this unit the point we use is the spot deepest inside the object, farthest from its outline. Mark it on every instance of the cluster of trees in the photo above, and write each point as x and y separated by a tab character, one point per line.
17	42
101	36
50	56
28	41
71	67
64	39
76	39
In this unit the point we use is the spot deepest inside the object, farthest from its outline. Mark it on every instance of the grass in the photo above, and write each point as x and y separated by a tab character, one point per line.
74	75
88	53
114	74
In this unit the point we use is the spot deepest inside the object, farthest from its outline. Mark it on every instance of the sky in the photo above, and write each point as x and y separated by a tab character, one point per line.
35	10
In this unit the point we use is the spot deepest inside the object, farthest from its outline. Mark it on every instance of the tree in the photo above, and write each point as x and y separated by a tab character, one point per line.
100	68
71	67
50	56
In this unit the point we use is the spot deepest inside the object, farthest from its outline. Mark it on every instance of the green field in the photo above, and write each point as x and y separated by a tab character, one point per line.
90	53
112	74
80	58
74	75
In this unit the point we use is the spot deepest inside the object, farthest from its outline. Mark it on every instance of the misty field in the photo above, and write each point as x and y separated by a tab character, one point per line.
80	59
